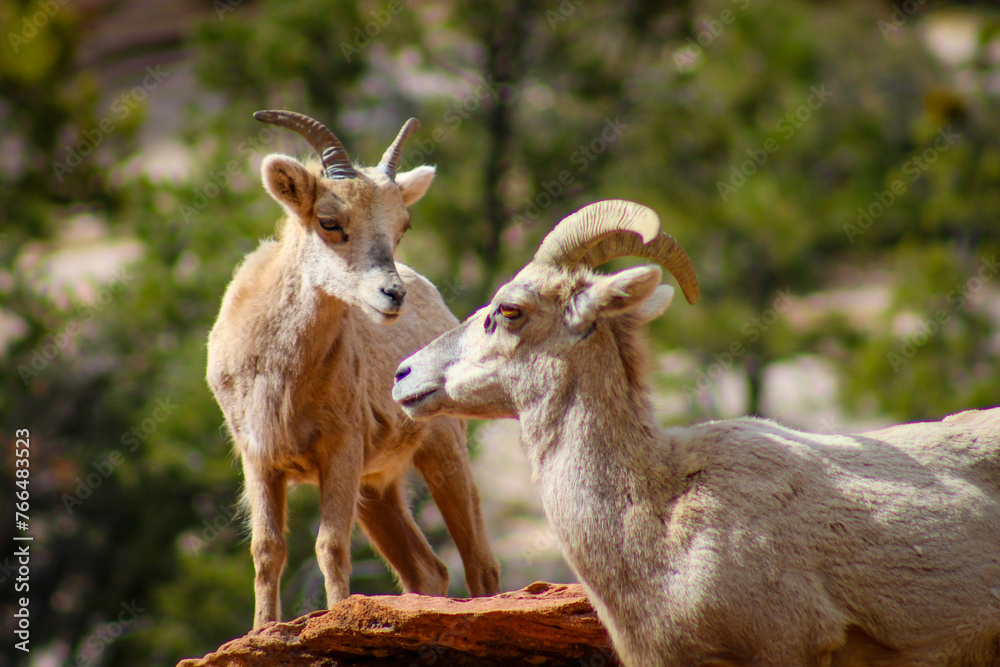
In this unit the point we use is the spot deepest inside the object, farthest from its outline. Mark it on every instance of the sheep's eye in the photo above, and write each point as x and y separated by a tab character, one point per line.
509	311
337	234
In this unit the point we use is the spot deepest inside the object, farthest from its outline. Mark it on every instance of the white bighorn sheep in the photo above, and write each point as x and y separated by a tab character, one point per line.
301	361
735	542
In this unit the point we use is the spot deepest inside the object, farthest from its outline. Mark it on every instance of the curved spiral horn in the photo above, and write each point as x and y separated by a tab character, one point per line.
390	159
331	152
616	228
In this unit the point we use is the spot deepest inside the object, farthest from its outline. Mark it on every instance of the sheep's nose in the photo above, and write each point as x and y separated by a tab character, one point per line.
402	372
395	292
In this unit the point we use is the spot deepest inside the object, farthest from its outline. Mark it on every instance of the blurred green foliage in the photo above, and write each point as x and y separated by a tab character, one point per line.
529	111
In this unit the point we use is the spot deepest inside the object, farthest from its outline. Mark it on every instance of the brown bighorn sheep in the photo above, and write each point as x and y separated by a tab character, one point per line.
301	362
733	542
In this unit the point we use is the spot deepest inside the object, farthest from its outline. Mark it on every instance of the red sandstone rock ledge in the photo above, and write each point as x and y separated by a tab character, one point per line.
543	624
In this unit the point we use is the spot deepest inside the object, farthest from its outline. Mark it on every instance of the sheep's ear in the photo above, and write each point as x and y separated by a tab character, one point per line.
656	304
628	290
413	184
290	183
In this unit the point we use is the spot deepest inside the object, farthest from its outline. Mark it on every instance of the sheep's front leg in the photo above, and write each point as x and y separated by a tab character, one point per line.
388	523
265	493
444	463
339	480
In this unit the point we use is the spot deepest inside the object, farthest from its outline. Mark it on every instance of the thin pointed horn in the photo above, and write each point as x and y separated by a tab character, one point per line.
331	152
614	228
390	159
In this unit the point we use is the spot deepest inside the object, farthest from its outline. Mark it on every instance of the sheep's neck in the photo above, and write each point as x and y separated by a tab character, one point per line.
593	457
591	418
308	320
591	426
593	415
607	483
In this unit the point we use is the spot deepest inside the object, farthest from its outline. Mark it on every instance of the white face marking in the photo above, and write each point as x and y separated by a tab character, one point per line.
349	245
477	369
537	334
349	229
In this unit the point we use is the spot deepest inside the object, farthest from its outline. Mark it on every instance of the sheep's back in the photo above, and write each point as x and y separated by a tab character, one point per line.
966	444
899	529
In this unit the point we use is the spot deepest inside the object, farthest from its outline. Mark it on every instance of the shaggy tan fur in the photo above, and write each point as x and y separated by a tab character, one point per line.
735	542
301	361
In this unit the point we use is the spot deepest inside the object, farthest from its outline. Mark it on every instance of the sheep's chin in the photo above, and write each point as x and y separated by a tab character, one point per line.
424	404
381	316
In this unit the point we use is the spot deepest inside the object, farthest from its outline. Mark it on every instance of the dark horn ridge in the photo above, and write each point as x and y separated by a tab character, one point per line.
331	152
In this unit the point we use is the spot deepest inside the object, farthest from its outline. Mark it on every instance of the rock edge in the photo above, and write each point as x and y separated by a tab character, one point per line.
541	624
